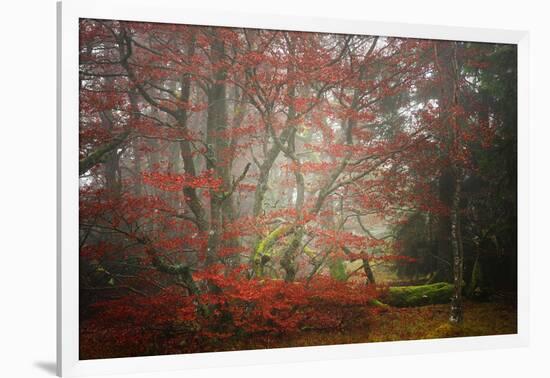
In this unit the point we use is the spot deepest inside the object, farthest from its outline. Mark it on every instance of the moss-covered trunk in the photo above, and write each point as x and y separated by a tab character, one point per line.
412	296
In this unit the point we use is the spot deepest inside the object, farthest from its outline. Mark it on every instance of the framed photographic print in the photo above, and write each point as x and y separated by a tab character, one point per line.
284	188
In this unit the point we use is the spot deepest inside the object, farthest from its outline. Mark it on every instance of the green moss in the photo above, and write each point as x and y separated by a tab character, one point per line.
310	252
265	246
338	270
407	296
376	303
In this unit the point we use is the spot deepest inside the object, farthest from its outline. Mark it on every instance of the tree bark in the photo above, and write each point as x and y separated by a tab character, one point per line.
216	124
368	272
97	156
449	72
456	242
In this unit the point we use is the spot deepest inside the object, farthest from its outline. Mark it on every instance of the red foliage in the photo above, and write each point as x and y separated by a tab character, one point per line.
328	96
238	308
176	182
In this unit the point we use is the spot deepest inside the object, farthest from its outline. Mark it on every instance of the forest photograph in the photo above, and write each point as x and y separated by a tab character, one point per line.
252	189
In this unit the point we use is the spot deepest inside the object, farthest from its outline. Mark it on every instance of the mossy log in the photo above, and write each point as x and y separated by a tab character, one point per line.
263	249
376	303
412	296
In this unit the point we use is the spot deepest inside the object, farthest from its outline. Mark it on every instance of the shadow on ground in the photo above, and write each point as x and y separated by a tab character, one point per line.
47	366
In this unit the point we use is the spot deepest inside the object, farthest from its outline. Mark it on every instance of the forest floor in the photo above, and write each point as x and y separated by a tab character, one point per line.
496	317
414	323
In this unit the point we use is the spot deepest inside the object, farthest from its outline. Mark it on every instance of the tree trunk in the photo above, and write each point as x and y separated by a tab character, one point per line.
111	162
191	196
447	66
443	250
368	271
458	259
218	147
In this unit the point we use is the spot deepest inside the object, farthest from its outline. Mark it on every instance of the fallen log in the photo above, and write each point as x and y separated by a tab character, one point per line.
421	295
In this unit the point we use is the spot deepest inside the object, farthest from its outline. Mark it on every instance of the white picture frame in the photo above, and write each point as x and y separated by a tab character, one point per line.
69	12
